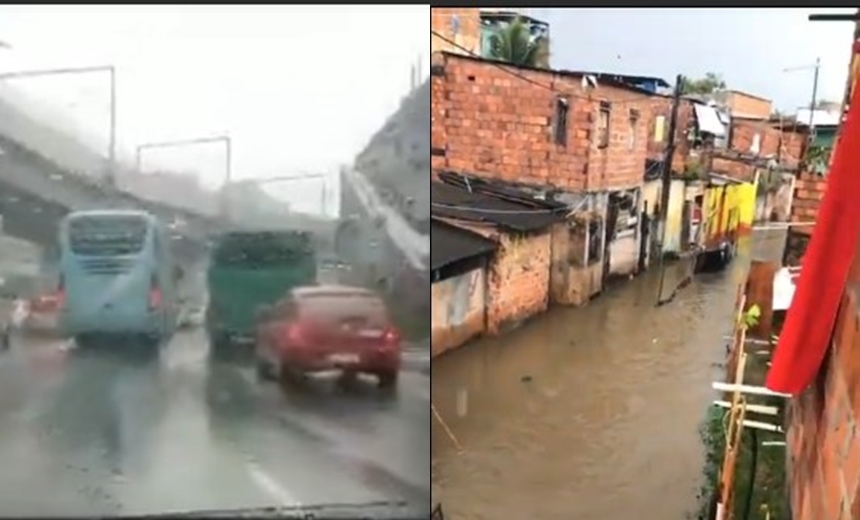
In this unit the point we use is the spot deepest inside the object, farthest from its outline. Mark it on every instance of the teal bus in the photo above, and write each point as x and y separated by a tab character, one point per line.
117	277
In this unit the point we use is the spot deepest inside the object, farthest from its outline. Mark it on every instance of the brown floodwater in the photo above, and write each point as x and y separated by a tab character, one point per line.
589	413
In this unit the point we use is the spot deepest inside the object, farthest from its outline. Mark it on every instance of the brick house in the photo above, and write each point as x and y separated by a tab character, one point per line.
459	25
824	451
822	435
524	273
745	105
550	129
458	264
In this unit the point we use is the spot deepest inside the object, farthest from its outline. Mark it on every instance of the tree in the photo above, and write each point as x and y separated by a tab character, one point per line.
707	85
514	44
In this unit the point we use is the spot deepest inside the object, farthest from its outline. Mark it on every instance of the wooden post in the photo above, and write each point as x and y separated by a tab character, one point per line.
734	434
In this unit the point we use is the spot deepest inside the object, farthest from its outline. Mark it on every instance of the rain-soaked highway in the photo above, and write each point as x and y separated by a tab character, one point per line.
589	413
101	432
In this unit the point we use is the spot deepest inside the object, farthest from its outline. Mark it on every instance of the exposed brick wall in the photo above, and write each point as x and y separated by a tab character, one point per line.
572	282
824	448
518	280
661	106
809	190
518	283
488	122
735	168
743	136
747	105
793	147
468	33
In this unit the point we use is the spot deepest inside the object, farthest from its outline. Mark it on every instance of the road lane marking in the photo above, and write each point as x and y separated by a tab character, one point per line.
270	486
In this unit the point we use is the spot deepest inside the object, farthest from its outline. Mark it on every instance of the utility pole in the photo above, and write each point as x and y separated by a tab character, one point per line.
111	176
667	163
817	66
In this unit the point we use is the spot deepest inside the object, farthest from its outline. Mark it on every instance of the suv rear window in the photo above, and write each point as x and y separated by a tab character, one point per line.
107	235
334	307
262	249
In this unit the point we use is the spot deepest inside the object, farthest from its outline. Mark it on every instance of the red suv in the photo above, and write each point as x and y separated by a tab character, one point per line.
328	327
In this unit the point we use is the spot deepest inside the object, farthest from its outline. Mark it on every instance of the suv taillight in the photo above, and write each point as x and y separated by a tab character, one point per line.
294	333
155	296
391	337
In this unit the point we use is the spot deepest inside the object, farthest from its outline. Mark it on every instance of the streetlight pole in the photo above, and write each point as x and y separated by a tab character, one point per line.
112	138
228	159
111	70
816	67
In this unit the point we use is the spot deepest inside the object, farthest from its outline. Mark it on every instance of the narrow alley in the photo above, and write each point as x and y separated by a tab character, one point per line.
590	412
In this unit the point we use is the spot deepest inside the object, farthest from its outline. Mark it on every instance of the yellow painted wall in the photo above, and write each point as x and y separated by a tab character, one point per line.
745	199
738	212
651	196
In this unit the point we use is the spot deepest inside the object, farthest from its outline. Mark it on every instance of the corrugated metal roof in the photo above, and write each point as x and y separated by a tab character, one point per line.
560	72
460	203
819	117
450	244
709	120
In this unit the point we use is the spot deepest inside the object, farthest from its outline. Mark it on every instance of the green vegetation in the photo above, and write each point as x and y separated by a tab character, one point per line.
760	476
711	83
768	486
514	44
750	318
817	159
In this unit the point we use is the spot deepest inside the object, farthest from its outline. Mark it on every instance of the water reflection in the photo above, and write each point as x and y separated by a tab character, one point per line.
587	413
105	410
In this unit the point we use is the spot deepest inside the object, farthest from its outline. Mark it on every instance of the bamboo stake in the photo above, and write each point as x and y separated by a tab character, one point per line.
737	413
730	462
447	429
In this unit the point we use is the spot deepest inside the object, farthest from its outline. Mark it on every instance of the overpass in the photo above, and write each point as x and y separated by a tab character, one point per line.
45	172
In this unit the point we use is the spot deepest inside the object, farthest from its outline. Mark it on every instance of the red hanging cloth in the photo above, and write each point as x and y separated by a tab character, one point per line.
809	322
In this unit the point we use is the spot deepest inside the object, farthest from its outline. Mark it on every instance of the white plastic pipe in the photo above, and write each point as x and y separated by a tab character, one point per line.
755	408
746	389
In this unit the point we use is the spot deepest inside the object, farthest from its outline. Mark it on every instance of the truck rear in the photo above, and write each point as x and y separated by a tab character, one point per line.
247	271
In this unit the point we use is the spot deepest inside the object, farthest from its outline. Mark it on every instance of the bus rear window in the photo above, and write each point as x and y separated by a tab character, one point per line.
263	249
107	236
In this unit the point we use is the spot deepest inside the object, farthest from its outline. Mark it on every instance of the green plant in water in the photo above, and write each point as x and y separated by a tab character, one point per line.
751	317
713	435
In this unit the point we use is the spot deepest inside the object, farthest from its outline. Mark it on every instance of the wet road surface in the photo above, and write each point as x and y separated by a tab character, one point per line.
589	413
94	432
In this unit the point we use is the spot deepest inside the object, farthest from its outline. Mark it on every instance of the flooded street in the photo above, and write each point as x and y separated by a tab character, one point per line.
589	413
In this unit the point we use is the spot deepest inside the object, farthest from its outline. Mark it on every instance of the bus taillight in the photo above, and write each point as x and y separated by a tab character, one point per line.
61	292
154	294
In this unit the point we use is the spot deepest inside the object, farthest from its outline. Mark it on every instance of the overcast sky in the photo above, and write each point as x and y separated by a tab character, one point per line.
749	47
299	89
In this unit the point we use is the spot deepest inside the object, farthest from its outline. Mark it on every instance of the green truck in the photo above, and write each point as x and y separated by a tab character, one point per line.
247	270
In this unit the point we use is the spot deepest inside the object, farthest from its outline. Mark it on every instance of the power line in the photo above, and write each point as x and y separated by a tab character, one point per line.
522	77
472	209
